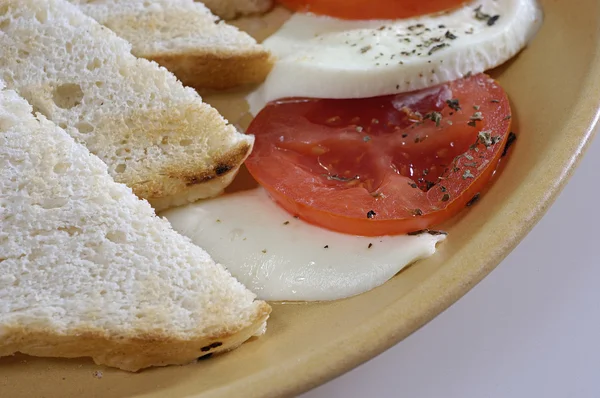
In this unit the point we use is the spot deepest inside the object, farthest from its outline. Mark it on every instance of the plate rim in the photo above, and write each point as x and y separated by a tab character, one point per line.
394	324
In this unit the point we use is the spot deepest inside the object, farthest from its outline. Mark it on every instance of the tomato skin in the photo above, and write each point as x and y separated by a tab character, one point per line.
385	198
349	225
380	9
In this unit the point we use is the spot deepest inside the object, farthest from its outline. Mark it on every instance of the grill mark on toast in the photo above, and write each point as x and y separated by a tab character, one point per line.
223	165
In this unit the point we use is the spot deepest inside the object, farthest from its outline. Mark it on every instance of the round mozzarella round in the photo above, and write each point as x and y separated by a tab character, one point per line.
281	258
324	57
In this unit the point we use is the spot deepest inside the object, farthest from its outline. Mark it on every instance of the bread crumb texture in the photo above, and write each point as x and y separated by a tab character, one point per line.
88	269
187	39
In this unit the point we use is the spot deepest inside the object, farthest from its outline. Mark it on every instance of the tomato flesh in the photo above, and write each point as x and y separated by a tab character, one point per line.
380	9
381	166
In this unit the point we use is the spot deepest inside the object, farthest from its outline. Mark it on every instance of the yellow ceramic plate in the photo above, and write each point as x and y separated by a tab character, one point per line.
554	86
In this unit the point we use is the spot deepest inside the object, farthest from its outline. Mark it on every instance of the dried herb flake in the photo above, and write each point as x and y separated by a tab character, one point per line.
450	35
437	48
477	116
434	117
453	104
467	174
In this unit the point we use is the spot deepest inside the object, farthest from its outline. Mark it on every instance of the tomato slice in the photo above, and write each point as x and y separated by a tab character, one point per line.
379	9
386	165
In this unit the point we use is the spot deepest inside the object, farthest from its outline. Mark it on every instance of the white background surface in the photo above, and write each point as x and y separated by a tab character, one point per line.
529	329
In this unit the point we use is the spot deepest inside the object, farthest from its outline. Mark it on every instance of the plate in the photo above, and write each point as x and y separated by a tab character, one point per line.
554	86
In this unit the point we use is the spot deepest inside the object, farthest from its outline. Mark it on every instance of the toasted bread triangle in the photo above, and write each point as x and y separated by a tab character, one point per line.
187	39
88	270
156	136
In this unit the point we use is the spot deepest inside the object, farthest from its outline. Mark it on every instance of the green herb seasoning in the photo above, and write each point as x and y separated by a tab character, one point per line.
336	177
480	15
365	49
453	104
485	137
450	35
493	19
434	117
490	20
467	174
437	48
477	116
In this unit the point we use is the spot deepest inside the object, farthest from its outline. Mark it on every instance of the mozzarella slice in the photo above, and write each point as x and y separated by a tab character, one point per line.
323	57
281	258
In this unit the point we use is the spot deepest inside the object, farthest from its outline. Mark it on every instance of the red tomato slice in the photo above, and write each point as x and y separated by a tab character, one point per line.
386	165
379	9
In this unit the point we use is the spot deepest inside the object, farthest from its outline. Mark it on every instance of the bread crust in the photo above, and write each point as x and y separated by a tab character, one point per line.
201	51
216	70
88	270
177	184
195	176
131	352
231	9
160	139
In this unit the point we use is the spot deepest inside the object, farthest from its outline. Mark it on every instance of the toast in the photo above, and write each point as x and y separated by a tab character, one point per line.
187	39
155	135
88	269
230	9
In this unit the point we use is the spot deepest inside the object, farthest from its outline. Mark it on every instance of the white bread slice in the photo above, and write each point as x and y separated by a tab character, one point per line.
229	9
88	269
184	37
156	136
